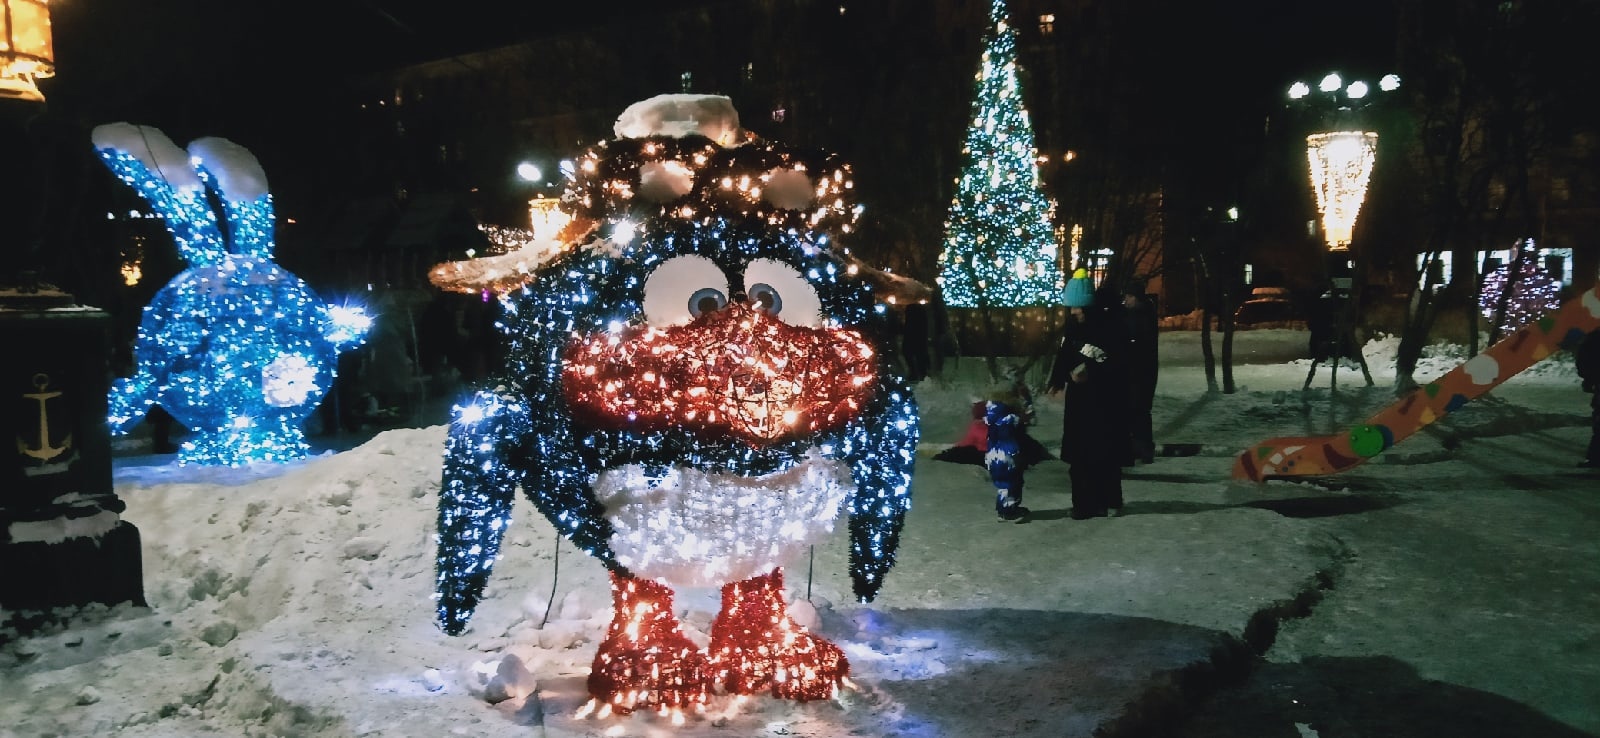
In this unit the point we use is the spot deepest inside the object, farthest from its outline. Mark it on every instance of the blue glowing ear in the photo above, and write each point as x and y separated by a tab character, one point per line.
149	162
238	180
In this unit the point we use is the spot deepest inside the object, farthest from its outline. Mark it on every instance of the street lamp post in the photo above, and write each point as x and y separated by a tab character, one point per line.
546	219
1340	163
62	540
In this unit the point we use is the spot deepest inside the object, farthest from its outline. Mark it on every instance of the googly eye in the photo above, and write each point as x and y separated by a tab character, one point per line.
683	288
706	300
783	291
766	298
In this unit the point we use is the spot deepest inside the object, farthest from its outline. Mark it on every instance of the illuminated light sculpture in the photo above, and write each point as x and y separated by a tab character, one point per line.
235	348
1341	168
693	394
27	51
1534	293
1000	248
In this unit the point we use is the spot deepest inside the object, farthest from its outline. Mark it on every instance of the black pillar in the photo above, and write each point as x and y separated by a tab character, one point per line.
62	539
63	542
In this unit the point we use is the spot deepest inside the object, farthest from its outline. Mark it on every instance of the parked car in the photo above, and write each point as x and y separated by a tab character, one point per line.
1268	307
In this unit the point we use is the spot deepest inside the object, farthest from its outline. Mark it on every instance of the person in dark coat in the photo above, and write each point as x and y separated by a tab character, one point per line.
1588	365
1091	369
1144	365
914	341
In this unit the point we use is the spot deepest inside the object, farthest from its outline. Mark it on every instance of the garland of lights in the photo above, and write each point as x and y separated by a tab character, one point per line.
235	348
1534	294
692	394
1000	248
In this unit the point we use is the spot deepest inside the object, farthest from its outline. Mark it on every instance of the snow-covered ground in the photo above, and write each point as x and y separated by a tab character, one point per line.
294	600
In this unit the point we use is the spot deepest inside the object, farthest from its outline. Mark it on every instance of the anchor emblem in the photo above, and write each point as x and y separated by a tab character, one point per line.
45	451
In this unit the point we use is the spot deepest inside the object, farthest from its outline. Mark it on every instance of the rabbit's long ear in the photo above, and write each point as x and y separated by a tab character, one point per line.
239	181
146	160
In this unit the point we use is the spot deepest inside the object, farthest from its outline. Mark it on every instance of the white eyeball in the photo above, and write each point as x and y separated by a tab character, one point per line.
683	288
784	292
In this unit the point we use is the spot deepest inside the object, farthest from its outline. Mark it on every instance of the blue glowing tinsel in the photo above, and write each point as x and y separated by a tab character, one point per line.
520	431
237	349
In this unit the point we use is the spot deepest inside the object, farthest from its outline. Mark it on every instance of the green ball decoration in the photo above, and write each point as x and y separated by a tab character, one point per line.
1370	440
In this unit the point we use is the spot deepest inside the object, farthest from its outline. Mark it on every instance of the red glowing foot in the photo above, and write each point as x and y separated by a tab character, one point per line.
755	647
646	662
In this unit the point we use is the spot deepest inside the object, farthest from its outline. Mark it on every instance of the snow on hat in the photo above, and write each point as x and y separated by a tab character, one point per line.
1080	290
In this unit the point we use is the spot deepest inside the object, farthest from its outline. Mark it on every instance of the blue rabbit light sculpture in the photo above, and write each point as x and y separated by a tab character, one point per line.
237	349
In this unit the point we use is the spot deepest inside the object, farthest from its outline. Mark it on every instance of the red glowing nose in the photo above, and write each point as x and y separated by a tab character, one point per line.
735	371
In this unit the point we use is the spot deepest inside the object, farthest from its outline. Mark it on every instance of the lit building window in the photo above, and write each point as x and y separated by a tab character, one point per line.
1555	262
1047	24
1435	272
1558	262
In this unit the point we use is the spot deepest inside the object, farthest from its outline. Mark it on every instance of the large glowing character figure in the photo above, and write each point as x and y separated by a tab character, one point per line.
694	393
235	348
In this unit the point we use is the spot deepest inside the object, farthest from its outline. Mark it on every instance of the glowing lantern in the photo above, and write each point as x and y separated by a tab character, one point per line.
26	52
545	218
1341	167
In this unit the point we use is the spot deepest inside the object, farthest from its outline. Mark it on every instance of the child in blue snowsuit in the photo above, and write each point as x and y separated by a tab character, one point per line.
1004	458
998	441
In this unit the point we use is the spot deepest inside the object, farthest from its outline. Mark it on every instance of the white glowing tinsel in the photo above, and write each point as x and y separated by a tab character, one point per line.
689	528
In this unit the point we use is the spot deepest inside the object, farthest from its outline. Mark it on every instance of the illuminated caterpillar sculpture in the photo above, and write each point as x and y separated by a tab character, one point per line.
238	350
694	393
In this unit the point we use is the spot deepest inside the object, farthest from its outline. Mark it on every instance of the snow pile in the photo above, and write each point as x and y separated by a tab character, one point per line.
680	115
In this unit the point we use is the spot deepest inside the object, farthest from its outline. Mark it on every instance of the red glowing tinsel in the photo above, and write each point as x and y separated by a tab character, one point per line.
735	371
755	647
646	662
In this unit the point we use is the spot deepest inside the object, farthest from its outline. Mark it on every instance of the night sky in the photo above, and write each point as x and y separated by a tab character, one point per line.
173	60
190	63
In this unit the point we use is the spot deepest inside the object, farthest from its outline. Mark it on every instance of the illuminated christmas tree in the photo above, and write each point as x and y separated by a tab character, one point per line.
1534	293
1000	248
